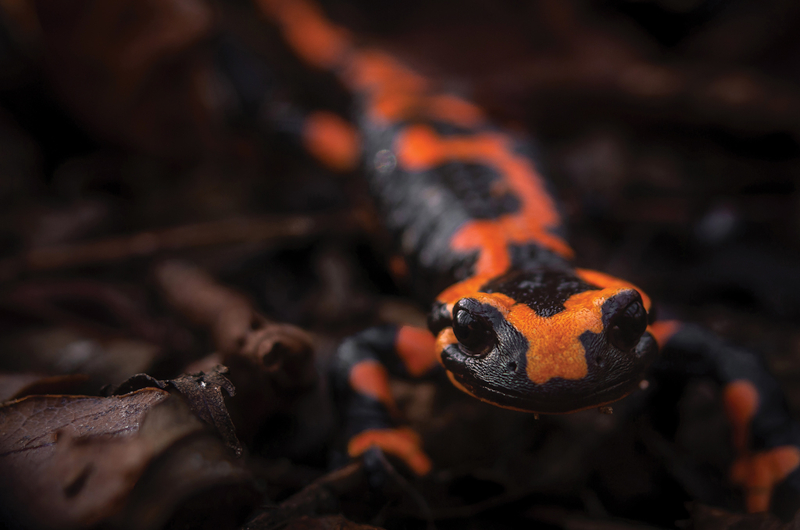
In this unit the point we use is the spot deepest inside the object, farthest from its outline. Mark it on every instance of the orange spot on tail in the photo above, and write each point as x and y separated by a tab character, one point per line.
317	41
371	379
417	348
403	443
332	140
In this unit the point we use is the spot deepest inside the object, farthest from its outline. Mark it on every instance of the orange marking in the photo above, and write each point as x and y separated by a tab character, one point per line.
371	379
663	330
403	443
453	109
417	348
603	280
396	93
332	140
373	70
554	349
316	40
419	148
756	473
464	289
741	403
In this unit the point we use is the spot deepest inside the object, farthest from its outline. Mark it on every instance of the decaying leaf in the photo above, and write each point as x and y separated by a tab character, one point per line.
203	394
74	461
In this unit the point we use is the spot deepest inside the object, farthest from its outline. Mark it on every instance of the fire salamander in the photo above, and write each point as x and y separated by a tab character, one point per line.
515	324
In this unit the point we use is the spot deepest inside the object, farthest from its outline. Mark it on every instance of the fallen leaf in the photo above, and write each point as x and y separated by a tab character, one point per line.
77	461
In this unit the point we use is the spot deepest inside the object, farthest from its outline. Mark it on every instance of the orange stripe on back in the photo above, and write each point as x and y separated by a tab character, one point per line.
419	148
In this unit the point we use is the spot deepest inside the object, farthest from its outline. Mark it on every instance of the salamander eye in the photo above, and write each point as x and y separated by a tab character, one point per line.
474	331
627	326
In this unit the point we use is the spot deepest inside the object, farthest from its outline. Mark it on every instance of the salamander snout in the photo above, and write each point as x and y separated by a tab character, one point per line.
544	341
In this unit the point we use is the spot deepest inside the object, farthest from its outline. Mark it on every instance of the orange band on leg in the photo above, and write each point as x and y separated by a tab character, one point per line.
403	443
756	473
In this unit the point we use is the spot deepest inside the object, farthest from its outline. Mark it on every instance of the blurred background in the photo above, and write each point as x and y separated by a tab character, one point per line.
134	133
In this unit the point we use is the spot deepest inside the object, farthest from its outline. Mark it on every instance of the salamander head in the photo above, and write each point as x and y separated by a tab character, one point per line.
549	341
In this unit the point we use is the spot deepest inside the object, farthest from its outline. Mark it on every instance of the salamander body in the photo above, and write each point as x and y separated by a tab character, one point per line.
513	322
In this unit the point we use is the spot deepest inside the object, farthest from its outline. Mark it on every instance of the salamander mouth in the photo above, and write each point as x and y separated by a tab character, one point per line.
489	382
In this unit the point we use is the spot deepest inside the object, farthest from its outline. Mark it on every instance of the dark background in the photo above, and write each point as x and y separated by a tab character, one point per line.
135	131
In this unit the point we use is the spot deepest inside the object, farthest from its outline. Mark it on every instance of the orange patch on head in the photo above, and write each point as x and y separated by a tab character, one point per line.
464	289
332	140
555	349
603	280
311	35
419	148
402	443
371	379
417	348
554	346
741	403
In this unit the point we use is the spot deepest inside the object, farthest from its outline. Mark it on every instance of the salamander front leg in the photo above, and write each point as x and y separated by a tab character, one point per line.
765	437
361	380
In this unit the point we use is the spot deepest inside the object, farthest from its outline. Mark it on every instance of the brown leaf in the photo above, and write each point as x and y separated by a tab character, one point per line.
74	461
67	459
203	394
